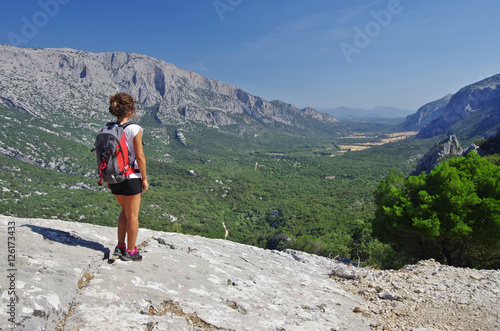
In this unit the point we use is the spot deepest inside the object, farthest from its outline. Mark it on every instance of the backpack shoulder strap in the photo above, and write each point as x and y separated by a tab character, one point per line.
110	125
124	125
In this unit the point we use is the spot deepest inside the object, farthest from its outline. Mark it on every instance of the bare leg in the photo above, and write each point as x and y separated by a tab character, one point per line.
122	221
132	205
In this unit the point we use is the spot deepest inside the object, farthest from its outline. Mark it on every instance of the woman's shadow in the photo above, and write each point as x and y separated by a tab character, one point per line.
69	239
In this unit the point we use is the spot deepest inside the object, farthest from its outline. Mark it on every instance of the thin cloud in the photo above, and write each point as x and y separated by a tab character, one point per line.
198	67
352	12
309	29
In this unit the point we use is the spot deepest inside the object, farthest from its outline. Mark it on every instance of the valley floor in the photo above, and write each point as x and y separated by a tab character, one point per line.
388	138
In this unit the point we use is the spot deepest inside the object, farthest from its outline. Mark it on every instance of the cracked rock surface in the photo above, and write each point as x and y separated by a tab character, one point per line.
66	281
426	296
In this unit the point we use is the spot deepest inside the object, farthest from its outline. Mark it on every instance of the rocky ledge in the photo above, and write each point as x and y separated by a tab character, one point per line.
63	279
426	296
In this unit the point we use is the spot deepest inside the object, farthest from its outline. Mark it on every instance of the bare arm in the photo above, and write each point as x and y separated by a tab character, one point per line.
141	160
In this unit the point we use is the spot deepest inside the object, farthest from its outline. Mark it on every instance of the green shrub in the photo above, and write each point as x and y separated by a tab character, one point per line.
451	214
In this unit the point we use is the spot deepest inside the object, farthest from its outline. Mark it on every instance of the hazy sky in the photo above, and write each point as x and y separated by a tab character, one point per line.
319	53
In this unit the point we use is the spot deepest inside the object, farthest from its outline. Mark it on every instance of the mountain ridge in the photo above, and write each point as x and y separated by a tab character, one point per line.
351	113
479	101
48	80
425	114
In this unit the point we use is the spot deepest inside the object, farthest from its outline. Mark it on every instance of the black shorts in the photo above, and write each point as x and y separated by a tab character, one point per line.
131	186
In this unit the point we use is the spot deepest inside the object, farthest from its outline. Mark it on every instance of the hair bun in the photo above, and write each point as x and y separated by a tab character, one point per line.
121	104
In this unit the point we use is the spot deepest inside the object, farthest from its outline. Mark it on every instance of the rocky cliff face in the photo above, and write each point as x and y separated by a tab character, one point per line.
448	146
62	279
478	103
77	84
425	114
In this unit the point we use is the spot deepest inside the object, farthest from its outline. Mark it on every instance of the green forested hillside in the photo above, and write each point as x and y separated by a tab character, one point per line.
273	190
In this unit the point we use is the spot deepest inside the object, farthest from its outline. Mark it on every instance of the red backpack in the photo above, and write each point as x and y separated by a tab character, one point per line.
113	157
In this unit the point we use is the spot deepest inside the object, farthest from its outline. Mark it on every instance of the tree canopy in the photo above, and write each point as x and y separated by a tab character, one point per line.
451	214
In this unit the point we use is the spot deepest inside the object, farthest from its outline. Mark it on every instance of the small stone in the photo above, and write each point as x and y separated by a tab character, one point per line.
476	277
366	291
397	304
388	296
397	286
360	309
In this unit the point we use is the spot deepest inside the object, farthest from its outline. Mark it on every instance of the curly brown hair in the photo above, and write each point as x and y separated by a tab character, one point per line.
121	104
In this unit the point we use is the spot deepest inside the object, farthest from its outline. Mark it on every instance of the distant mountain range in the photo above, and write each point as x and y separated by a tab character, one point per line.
473	111
76	85
425	114
348	113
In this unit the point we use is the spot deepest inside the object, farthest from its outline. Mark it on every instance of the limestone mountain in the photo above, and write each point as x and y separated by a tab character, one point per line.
425	114
448	146
73	85
473	111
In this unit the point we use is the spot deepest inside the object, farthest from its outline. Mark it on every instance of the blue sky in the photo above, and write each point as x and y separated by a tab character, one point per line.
319	53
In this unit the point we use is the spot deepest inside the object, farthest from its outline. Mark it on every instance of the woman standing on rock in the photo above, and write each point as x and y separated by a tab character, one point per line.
128	192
